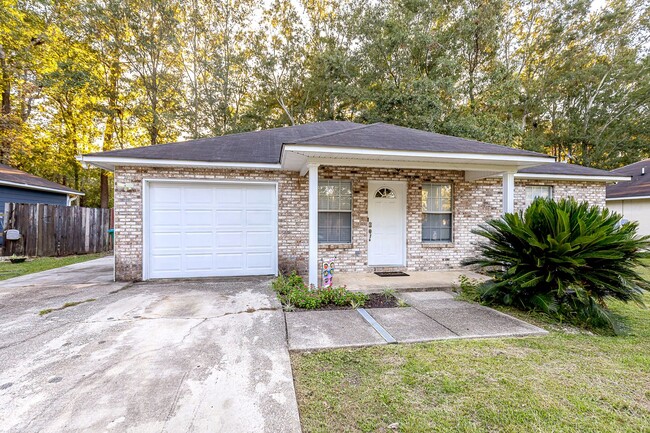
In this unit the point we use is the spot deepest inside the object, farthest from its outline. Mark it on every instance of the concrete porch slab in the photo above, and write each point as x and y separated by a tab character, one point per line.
368	282
316	330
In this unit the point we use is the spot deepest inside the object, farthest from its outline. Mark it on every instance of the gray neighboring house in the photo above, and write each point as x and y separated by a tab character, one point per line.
632	199
367	197
17	186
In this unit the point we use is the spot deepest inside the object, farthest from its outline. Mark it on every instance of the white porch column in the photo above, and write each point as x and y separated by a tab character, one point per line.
508	192
313	224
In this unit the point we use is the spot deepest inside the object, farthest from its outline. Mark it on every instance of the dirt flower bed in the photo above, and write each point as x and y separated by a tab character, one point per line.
294	294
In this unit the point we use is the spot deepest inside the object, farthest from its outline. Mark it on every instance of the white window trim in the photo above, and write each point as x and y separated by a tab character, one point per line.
450	212
337	211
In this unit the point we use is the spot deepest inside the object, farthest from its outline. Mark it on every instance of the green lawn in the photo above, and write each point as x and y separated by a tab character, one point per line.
563	382
11	270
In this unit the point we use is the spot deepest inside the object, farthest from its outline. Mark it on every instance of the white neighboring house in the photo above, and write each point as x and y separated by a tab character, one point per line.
632	199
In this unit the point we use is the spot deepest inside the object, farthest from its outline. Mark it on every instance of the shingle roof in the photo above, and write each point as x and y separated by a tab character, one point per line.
266	146
391	137
639	186
21	178
561	168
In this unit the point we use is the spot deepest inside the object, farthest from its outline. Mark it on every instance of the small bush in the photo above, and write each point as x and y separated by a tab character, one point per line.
563	258
292	290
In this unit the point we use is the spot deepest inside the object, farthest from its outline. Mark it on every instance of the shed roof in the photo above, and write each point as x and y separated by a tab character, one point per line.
10	176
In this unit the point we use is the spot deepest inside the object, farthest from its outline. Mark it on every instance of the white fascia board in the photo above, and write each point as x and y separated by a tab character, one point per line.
348	151
109	163
641	197
39	188
546	176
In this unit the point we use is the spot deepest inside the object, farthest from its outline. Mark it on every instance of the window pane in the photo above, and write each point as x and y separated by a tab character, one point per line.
533	192
335	227
436	227
436	198
334	195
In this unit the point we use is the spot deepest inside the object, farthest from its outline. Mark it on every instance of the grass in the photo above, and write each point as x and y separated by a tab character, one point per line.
11	270
563	382
64	306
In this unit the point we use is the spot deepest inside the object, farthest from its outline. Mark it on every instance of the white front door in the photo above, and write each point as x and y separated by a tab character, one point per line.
387	223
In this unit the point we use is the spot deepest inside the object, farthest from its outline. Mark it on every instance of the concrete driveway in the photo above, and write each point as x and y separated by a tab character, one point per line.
201	356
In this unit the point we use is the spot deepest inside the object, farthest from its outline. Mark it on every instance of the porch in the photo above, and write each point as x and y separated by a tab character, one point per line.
369	282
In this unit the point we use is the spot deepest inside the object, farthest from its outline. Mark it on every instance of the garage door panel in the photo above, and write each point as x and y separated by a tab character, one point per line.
198	196
165	217
229	197
260	239
198	240
232	218
260	260
211	230
163	195
258	198
230	240
165	240
230	261
199	262
198	218
258	217
166	263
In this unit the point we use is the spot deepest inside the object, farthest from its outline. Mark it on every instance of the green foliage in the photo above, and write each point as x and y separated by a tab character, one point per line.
564	258
562	77
293	292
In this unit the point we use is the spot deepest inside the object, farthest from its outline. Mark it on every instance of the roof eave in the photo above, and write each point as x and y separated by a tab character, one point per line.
582	177
639	197
39	188
110	162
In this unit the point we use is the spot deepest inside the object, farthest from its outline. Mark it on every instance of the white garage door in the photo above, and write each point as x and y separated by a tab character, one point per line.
210	229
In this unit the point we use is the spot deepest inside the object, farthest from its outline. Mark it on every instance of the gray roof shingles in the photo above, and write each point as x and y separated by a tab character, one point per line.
265	146
639	186
21	178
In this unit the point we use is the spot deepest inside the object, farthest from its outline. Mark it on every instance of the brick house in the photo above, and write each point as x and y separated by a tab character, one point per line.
364	196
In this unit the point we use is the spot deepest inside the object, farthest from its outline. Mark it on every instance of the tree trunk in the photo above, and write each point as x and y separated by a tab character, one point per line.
114	77
6	83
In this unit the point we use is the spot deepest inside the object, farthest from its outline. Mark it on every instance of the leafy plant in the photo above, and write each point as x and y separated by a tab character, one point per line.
388	293
468	288
294	293
564	258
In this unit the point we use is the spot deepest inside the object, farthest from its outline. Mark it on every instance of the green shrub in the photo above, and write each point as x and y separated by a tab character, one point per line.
564	258
292	291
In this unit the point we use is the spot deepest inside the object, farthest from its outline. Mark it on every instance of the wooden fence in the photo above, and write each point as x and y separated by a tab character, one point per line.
49	230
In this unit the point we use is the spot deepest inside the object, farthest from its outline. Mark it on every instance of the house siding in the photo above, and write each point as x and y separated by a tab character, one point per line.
474	202
10	194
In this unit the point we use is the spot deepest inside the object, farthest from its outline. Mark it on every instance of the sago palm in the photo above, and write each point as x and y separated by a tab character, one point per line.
565	258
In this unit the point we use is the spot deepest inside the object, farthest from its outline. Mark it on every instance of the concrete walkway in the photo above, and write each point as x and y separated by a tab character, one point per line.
433	315
201	356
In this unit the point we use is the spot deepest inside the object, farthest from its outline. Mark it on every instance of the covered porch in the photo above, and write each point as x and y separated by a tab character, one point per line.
389	235
369	282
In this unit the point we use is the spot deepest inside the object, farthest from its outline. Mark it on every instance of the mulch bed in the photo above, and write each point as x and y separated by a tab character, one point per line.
375	300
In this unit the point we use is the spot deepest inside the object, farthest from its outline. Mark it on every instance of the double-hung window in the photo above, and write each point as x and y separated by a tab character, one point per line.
436	212
533	192
334	211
